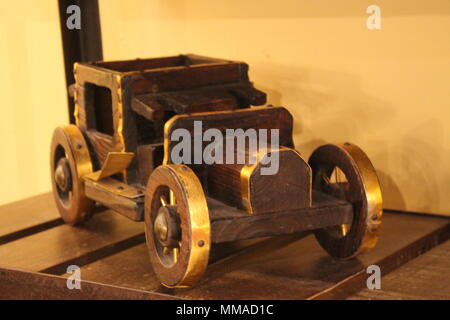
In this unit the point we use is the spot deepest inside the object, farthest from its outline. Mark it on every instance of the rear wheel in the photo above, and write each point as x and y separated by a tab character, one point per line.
345	172
70	161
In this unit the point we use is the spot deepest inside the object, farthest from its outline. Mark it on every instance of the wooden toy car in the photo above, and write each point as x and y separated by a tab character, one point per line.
119	155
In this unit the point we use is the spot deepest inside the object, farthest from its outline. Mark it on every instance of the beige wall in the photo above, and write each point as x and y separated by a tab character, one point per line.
386	90
32	95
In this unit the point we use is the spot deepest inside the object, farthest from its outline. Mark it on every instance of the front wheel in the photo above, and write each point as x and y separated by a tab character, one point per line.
70	161
344	171
177	226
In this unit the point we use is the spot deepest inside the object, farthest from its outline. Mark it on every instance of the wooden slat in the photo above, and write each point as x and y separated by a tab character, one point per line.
122	202
255	118
230	224
232	278
142	64
27	216
102	144
111	251
171	79
297	266
426	277
54	249
131	268
148	106
17	284
285	267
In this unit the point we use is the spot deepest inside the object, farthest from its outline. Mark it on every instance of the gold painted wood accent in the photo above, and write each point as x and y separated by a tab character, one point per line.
115	162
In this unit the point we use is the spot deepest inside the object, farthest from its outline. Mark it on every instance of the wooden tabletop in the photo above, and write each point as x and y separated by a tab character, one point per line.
36	248
426	277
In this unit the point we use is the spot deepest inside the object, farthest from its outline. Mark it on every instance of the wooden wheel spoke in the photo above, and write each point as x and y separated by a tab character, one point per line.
175	252
327	185
173	201
163	201
326	179
345	229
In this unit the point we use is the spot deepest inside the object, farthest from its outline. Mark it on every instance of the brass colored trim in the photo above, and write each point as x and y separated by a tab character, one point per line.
373	195
100	68
104	78
115	162
76	151
79	149
118	114
75	95
167	126
197	209
245	174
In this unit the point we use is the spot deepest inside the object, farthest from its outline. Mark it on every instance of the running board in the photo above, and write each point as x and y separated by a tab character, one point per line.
121	197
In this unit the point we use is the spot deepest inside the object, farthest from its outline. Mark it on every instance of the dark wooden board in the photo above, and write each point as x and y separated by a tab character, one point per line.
131	268
230	224
247	187
18	284
55	249
114	262
27	216
285	267
255	118
84	44
426	277
172	79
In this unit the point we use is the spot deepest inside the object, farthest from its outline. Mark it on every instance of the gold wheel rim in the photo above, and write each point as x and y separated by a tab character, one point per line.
374	197
195	224
71	141
365	195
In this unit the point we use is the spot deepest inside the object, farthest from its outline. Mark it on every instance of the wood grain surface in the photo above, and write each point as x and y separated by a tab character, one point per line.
426	277
55	249
27	216
112	254
285	267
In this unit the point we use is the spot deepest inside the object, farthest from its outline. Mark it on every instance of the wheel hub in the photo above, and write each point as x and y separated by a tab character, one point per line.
62	175
161	228
167	227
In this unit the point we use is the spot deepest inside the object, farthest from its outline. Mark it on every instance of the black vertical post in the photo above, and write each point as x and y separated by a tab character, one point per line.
80	45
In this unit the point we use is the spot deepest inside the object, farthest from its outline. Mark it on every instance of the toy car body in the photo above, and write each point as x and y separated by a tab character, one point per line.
119	154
